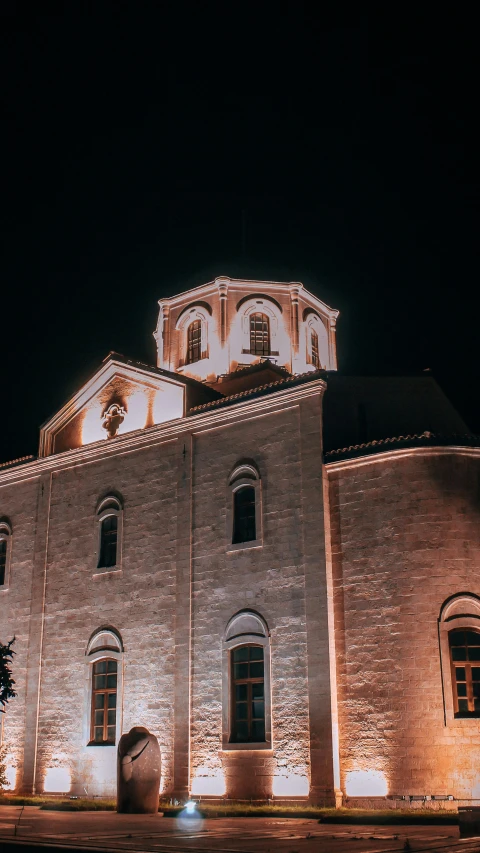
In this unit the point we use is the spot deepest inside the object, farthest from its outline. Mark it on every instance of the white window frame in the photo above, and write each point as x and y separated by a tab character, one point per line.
109	505
6	536
314	323
196	312
244	474
247	627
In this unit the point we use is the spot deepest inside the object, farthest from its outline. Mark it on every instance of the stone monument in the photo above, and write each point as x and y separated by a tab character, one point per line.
138	772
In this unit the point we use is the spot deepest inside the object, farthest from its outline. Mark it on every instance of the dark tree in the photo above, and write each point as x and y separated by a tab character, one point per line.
6	681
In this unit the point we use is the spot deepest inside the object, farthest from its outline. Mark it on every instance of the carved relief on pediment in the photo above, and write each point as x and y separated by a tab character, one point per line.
112	418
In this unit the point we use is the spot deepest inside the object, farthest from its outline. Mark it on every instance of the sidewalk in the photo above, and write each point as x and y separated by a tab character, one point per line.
29	830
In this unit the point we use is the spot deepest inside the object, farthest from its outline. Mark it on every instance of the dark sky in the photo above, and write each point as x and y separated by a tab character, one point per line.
135	134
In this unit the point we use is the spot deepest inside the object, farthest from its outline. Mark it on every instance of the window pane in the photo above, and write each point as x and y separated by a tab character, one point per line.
459	653
111	666
473	639
476	689
476	704
111	718
100	682
111	734
194	341
241	670
258	712
256	653
99	700
256	670
99	718
99	735
111	681
108	542
101	666
475	673
241	692
474	654
244	523
258	730
460	673
240	654
241	731
463	705
257	691
457	638
259	334
112	700
462	689
241	711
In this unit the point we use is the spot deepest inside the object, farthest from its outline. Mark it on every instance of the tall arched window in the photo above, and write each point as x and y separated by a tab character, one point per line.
5	547
315	351
247	721
194	342
104	658
465	663
109	516
244	509
459	635
259	334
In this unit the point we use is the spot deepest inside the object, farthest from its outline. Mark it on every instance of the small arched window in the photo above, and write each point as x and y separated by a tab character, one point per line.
259	334
109	515
5	548
465	662
194	342
315	351
244	518
104	657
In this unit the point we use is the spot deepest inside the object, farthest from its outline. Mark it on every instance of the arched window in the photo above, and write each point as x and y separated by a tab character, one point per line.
247	704
465	663
459	635
5	548
109	515
104	659
259	334
244	511
315	351
194	342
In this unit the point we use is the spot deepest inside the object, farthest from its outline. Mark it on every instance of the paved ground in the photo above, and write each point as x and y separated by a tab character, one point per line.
24	830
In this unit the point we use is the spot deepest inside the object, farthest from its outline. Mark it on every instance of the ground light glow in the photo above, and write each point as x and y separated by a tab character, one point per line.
57	780
366	783
189	819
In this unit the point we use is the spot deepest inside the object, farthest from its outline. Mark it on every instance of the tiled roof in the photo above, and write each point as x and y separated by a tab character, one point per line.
259	391
423	439
18	461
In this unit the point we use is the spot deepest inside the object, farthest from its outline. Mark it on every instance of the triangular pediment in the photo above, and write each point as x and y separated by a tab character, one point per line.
119	398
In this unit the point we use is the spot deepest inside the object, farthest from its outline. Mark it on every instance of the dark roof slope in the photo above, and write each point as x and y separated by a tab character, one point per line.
363	409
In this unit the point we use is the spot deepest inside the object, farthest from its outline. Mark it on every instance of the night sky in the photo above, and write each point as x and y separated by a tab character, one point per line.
138	137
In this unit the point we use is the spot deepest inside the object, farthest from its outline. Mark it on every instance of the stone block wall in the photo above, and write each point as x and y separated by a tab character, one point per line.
405	537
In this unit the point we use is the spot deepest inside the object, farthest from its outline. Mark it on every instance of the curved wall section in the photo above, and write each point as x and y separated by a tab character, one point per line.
405	531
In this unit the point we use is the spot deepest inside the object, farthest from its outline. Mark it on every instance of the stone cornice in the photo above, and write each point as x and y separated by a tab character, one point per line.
169	431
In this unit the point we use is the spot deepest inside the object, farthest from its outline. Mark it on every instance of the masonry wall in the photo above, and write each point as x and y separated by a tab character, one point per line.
138	601
275	581
178	584
405	537
19	504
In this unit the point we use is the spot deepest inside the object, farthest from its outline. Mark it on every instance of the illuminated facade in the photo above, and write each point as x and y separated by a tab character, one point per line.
191	552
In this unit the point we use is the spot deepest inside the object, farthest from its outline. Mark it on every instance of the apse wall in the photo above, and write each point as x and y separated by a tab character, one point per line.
405	530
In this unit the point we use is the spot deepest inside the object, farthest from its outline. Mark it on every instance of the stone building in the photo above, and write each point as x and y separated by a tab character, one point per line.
274	568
